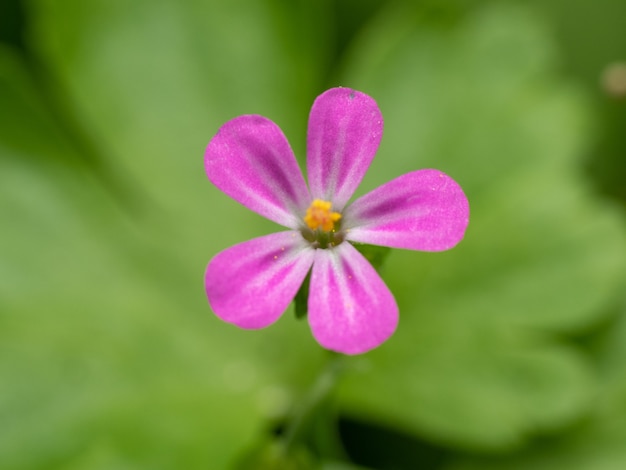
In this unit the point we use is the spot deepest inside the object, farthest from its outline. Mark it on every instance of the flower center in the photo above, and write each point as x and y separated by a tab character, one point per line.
318	215
322	225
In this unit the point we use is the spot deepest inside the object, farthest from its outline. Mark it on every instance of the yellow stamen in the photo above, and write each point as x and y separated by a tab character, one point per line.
318	215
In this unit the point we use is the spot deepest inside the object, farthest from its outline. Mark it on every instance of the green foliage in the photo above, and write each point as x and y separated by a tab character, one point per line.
597	443
109	355
473	353
376	255
300	303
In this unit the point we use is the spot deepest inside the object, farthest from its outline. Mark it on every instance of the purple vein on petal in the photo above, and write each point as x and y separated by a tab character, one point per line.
351	310
422	210
250	160
252	283
344	132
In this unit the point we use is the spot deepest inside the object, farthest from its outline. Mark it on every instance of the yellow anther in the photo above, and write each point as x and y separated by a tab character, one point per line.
319	215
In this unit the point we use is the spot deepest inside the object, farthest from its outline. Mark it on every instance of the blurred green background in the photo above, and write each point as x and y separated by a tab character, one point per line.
511	348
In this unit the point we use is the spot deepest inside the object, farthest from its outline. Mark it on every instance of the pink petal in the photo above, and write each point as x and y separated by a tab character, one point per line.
251	284
250	160
422	210
351	310
345	128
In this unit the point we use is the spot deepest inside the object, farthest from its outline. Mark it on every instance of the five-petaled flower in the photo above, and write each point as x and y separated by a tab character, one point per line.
350	309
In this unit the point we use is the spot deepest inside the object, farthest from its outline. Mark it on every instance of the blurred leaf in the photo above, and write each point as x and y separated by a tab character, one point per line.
597	443
375	446
11	22
154	81
271	456
302	298
603	20
340	466
376	255
574	22
473	363
110	356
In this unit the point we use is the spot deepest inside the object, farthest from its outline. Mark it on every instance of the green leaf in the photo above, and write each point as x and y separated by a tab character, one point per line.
271	456
474	363
376	255
596	443
110	354
301	307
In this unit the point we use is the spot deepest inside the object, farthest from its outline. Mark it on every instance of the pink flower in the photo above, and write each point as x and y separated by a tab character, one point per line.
350	309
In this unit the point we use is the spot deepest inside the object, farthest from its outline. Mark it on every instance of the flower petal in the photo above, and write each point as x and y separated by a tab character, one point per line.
250	160
345	128
422	210
251	284
351	310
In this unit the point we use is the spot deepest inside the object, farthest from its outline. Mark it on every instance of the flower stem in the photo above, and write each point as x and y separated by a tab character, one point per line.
302	416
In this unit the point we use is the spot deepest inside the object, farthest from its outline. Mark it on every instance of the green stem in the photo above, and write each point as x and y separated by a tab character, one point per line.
302	415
